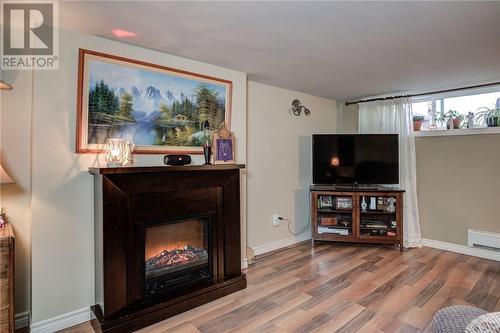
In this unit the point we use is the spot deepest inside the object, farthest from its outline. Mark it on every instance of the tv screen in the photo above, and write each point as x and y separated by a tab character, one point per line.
355	158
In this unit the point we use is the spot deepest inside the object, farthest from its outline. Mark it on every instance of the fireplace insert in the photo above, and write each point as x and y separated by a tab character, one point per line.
177	255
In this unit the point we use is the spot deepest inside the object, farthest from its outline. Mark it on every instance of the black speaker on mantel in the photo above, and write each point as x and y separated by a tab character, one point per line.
177	159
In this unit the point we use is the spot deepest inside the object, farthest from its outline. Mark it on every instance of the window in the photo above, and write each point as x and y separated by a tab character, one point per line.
475	108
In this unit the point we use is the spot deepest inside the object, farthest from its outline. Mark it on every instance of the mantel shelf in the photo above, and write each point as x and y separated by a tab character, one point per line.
164	168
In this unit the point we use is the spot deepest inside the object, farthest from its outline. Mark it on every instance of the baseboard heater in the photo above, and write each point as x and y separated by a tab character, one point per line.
483	239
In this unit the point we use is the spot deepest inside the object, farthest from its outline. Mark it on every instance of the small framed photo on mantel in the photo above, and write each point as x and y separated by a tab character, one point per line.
223	143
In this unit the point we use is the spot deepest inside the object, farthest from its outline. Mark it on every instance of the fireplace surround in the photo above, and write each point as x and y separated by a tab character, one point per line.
167	239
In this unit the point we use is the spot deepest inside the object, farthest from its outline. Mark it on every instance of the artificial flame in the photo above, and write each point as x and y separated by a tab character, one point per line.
165	260
151	252
174	236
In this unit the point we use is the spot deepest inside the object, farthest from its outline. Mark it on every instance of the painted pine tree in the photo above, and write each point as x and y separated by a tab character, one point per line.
125	109
206	104
102	100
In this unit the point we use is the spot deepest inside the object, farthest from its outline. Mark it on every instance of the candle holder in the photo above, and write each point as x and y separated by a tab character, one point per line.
207	151
207	147
118	152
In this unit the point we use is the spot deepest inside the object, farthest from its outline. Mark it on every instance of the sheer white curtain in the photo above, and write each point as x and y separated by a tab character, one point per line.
395	116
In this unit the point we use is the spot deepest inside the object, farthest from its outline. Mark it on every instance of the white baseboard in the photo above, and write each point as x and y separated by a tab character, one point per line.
281	243
68	319
61	322
244	263
22	320
462	249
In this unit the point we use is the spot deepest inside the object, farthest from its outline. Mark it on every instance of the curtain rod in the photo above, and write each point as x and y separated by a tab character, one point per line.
422	94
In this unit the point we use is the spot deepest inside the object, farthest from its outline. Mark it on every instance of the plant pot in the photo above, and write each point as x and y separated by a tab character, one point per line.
417	125
457	122
449	124
491	121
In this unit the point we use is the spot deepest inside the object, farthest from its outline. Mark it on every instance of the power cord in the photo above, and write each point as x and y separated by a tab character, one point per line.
308	218
290	230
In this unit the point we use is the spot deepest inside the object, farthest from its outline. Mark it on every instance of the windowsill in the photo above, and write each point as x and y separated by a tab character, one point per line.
464	131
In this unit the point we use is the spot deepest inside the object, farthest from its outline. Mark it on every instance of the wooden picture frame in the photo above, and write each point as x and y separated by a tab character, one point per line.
223	146
135	95
343	203
326	201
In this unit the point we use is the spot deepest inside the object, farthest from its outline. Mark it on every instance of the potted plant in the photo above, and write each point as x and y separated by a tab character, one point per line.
417	123
452	116
490	116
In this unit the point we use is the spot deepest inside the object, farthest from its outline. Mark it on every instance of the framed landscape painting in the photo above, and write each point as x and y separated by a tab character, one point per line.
157	108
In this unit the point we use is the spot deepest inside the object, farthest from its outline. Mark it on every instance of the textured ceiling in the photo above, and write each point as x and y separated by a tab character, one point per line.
337	50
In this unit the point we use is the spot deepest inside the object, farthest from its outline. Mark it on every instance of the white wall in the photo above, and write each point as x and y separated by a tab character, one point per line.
62	193
457	183
15	119
279	159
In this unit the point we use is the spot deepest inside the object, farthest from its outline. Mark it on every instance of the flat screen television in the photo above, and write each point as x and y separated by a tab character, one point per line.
352	159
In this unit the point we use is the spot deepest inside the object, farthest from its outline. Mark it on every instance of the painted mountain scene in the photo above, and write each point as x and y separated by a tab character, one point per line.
151	107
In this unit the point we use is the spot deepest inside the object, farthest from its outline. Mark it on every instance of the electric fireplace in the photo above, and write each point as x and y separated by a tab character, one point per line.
176	255
167	239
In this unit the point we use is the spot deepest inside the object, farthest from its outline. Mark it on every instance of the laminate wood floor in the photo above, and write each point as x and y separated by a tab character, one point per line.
343	288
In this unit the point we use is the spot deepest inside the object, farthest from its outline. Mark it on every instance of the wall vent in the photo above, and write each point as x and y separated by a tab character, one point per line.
483	239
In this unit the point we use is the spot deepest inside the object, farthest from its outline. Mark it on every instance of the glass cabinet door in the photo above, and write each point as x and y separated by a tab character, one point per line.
335	215
378	215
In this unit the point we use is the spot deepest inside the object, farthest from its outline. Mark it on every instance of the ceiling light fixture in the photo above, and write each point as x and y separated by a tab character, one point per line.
297	108
123	33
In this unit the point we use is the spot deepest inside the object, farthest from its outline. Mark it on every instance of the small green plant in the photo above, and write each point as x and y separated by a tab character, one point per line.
418	118
488	116
451	115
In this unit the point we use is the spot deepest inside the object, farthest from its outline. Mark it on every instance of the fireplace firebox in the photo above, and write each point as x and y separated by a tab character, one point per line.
177	255
167	239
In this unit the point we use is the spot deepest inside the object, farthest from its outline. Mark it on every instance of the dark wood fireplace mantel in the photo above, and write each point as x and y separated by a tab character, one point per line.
131	200
156	169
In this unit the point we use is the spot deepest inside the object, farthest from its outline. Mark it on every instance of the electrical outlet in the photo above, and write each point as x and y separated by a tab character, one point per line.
276	220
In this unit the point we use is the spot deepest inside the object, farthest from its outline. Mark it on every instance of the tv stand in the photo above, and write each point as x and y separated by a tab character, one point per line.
357	214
